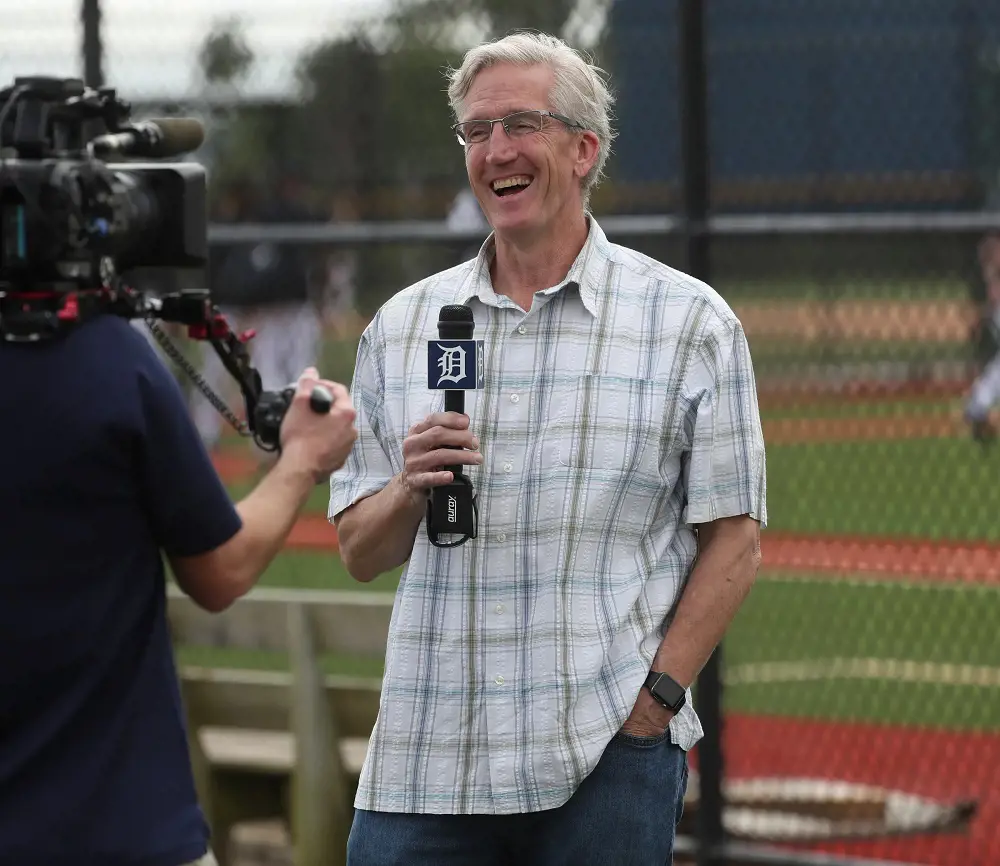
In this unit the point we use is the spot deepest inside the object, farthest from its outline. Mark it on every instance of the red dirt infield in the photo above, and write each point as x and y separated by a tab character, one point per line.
946	766
855	558
793	431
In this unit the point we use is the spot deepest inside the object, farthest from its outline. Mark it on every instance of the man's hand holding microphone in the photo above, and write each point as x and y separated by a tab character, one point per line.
430	448
377	533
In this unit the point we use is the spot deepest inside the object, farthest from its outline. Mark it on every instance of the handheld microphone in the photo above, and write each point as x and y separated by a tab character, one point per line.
455	364
151	139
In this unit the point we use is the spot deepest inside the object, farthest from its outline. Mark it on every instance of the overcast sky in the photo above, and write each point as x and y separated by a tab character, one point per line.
150	44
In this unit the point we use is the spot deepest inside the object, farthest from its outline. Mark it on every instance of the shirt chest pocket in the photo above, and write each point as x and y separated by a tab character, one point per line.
608	424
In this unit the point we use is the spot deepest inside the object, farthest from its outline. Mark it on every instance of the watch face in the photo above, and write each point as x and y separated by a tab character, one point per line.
668	693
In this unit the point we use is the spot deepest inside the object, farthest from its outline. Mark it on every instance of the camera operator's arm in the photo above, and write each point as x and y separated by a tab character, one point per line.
313	447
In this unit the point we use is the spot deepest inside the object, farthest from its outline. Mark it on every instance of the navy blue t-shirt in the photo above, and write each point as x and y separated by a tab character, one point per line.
100	470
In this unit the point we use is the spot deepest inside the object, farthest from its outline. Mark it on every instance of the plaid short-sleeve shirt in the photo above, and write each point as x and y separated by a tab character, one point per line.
617	413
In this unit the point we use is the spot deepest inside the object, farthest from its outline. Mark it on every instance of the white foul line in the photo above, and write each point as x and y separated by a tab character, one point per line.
929	673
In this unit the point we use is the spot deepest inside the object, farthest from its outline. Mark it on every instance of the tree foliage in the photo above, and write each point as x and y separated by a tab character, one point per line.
369	125
225	56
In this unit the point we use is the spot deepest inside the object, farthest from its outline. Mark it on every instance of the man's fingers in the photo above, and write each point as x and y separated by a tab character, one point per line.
421	426
306	382
341	396
431	441
436	460
442	437
433	460
426	480
450	456
454	420
451	420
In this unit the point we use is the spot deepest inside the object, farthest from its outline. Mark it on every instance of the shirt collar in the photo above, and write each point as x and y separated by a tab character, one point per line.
586	274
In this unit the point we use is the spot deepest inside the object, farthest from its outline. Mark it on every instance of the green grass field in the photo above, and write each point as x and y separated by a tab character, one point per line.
798	619
787	618
778	352
844	286
935	488
925	488
901	409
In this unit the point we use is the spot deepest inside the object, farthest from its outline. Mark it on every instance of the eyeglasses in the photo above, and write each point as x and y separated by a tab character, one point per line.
516	125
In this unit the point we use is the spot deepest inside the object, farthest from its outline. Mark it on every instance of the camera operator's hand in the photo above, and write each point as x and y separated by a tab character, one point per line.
318	443
430	446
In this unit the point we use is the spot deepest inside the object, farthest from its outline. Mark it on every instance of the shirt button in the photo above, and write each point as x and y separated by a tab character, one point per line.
508	467
500	608
499	679
501	537
514	398
521	329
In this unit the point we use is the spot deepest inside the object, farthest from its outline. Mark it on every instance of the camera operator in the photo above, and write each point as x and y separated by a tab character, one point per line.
102	476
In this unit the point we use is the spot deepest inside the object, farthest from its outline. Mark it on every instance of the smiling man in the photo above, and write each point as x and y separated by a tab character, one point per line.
536	701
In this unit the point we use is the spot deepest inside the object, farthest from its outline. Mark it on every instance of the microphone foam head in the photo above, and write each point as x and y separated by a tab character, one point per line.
456	313
180	134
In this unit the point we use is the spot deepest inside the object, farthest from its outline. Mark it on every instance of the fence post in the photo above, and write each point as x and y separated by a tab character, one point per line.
695	205
93	50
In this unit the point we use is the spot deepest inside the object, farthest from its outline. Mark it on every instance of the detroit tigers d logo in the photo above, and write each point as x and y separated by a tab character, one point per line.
451	364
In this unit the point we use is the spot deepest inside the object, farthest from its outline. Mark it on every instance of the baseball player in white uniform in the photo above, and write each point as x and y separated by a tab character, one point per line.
267	288
286	340
985	390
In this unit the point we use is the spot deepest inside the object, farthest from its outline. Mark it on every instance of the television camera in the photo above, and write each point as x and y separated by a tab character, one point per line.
73	224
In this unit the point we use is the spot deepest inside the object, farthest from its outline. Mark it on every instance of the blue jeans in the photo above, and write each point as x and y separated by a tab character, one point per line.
624	814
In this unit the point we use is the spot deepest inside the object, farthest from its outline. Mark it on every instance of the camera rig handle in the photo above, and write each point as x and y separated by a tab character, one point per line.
265	410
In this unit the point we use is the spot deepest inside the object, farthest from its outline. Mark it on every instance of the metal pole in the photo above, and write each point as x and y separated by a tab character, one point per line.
694	135
93	50
695	174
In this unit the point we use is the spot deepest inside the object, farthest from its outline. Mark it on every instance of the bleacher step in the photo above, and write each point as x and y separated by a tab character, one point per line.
268	751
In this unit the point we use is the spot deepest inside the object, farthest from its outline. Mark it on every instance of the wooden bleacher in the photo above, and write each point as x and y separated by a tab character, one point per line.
282	743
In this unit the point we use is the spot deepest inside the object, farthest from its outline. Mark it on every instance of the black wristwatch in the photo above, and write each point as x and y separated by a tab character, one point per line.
666	691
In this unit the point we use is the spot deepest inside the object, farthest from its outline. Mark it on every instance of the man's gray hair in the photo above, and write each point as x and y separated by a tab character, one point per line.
580	90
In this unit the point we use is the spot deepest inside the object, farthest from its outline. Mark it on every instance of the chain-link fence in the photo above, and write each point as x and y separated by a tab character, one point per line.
863	658
854	154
